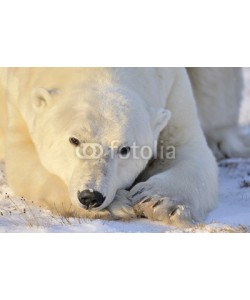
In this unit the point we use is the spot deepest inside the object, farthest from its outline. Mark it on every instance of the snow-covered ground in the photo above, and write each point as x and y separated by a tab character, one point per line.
231	215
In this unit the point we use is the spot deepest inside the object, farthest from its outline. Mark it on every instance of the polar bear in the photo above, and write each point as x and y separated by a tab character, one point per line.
119	143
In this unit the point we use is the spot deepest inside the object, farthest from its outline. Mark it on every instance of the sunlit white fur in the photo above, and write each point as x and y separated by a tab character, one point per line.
46	106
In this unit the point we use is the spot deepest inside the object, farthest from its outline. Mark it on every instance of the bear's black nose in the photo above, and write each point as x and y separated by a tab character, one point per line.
90	199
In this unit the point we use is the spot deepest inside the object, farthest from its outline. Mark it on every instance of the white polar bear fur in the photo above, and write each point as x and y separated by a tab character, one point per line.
218	93
45	106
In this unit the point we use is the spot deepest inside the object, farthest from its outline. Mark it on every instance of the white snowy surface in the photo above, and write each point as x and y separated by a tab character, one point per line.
231	215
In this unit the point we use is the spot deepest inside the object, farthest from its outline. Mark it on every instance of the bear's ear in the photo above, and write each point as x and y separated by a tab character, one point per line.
40	98
160	120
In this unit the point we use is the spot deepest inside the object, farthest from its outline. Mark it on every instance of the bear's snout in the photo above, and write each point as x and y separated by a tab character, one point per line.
90	199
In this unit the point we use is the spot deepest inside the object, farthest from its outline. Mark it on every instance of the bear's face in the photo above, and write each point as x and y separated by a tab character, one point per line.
97	141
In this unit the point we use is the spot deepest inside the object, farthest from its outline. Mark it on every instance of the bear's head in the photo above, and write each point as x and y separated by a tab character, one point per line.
96	138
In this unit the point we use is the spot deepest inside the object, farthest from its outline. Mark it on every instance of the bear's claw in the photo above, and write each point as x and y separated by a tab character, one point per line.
163	209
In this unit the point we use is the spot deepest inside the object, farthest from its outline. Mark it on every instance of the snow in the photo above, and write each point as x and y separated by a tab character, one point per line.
231	215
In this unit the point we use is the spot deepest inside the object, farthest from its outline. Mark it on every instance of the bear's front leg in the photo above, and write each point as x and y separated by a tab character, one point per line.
180	195
181	189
